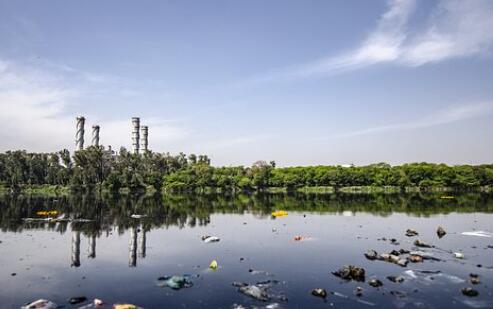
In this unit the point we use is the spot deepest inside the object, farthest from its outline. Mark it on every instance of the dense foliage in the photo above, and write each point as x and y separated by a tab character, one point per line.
95	167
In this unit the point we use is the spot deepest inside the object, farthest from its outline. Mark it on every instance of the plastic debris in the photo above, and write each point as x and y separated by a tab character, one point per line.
175	282
300	238
458	255
135	216
474	279
279	213
441	232
254	291
319	293
208	239
213	265
47	213
411	233
371	255
478	233
77	300
96	303
396	279
125	306
350	272
375	283
358	291
422	244
447	197
470	292
40	304
414	258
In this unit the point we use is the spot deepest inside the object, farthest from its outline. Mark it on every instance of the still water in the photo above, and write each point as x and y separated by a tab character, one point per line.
97	250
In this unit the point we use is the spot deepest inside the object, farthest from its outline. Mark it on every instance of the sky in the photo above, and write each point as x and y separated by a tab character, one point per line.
301	83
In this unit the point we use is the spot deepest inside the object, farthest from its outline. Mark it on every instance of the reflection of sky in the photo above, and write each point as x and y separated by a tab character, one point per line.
42	259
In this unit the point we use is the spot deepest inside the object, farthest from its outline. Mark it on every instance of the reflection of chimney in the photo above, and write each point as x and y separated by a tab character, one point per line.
132	248
75	248
142	244
135	134
95	135
79	136
92	247
145	134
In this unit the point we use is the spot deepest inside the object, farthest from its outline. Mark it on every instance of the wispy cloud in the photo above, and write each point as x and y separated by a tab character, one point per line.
454	29
34	105
447	115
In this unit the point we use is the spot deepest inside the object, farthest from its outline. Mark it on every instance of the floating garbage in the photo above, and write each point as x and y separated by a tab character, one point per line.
478	233
441	232
319	293
396	279
470	292
213	265
375	283
208	239
135	216
175	282
96	303
40	304
125	306
474	279
422	244
447	197
411	233
255	291
458	255
77	300
279	213
350	272
300	238
358	291
371	255
47	213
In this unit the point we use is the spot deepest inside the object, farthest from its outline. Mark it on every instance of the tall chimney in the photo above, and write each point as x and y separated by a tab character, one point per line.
135	135
145	134
79	136
95	135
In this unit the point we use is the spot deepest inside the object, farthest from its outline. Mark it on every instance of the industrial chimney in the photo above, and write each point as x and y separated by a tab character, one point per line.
135	135
95	135
145	134
79	136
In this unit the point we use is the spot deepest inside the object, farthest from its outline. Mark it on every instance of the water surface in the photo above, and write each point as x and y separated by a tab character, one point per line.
117	258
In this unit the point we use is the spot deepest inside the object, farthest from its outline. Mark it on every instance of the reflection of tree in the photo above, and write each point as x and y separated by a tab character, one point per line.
107	212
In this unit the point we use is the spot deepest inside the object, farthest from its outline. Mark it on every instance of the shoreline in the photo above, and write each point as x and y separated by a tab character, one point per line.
54	190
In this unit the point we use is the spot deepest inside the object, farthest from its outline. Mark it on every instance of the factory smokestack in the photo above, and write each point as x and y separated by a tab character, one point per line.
145	134
95	135
135	135
79	136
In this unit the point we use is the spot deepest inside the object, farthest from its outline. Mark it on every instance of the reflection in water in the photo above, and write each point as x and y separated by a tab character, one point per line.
103	214
75	249
132	248
341	227
142	243
92	247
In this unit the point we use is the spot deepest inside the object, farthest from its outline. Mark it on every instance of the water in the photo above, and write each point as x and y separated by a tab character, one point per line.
118	258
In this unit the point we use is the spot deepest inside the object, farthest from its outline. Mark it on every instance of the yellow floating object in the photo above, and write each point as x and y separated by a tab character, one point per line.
47	212
125	306
279	213
213	265
447	197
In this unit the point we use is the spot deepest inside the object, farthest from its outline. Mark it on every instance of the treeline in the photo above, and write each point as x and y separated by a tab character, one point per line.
96	168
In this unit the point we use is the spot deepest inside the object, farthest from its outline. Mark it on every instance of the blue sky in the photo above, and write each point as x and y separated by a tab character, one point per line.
302	83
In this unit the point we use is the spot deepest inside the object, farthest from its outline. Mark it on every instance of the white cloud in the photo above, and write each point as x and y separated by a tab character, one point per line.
34	103
447	115
454	29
